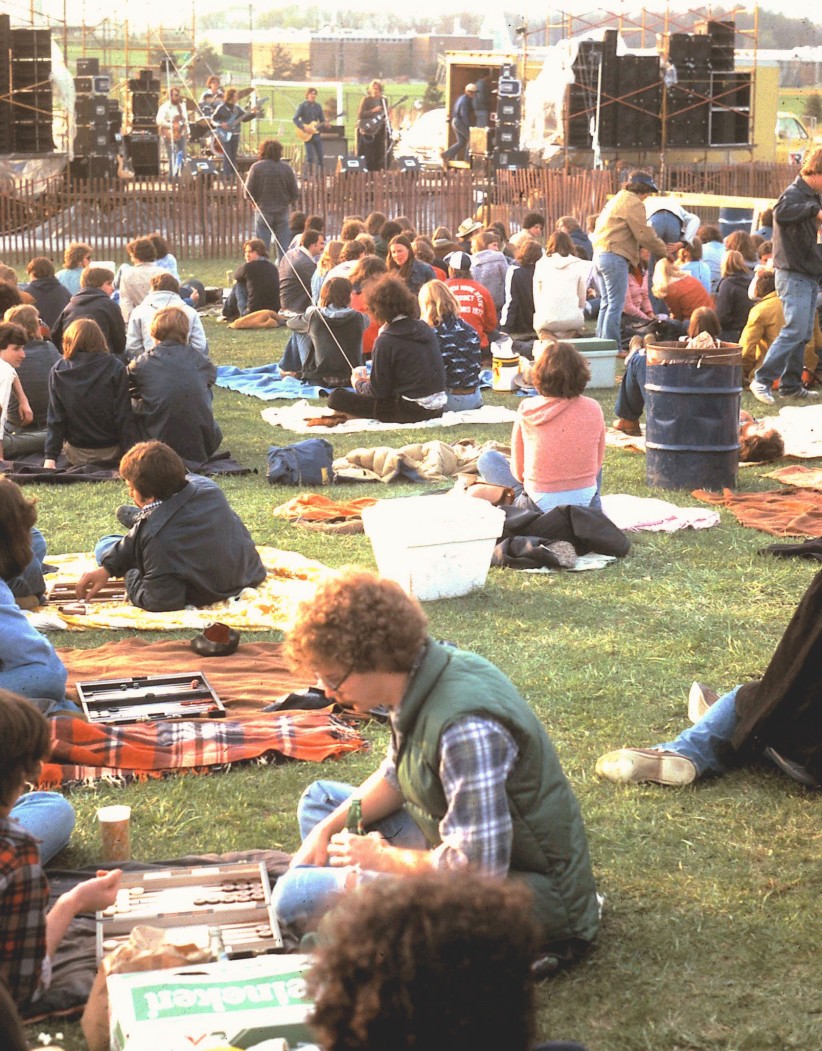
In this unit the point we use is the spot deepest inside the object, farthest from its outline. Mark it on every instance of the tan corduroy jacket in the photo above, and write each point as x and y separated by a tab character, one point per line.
622	228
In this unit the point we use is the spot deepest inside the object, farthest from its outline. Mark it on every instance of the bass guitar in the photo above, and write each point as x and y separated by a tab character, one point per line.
227	129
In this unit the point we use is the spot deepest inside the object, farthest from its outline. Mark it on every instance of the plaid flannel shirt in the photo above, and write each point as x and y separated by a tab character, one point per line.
24	895
476	757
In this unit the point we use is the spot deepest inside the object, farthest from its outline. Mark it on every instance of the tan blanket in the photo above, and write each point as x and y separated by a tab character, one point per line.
781	513
291	577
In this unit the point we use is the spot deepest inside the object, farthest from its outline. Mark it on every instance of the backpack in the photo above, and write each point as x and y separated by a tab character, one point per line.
305	463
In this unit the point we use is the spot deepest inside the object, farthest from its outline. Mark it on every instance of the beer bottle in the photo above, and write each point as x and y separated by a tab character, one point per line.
353	822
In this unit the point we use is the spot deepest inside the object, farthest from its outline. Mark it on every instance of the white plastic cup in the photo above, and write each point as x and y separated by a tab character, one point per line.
115	832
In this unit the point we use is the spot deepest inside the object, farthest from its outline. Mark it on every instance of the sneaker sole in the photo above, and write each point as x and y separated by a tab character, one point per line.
633	766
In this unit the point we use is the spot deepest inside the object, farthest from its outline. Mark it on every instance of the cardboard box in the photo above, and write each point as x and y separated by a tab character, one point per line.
235	1003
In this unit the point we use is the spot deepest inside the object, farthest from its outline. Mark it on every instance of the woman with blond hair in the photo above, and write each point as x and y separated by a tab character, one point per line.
371	129
681	292
459	346
89	415
733	303
327	261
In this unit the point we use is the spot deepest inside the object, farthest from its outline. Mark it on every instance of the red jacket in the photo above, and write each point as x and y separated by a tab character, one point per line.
476	306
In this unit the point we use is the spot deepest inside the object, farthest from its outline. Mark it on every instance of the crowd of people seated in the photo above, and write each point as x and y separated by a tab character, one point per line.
112	368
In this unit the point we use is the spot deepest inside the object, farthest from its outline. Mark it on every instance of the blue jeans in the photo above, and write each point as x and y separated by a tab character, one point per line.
785	355
708	743
308	890
314	154
48	817
495	468
460	402
630	399
459	148
668	227
264	224
613	269
104	545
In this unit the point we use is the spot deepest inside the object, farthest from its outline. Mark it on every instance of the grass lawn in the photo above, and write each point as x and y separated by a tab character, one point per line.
710	938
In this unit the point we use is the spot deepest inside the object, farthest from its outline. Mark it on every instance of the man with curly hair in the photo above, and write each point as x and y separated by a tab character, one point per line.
444	964
471	781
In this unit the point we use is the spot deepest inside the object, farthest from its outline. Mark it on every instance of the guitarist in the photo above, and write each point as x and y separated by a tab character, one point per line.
372	118
309	118
226	119
172	125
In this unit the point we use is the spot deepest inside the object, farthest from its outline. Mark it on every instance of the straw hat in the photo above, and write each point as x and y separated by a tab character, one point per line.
467	227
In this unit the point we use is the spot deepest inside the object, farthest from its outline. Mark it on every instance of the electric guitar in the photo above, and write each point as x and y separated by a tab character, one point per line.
308	131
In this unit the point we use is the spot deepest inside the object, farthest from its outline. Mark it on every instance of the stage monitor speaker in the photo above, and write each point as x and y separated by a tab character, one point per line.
408	164
92	85
88	67
144	153
346	165
91	140
197	168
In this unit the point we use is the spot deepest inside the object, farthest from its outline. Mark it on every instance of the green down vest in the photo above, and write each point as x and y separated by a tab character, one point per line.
550	849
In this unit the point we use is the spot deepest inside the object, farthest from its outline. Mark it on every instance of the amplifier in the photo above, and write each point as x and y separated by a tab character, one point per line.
509	110
507	137
91	140
88	67
89	108
92	85
511	159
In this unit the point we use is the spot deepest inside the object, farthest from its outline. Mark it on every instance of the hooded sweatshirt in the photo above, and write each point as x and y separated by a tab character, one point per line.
560	286
557	444
406	361
336	342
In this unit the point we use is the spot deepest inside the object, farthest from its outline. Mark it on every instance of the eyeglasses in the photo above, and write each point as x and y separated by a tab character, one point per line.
330	687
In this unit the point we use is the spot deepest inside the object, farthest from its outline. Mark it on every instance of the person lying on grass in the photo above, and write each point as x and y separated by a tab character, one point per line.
185	545
777	716
471	781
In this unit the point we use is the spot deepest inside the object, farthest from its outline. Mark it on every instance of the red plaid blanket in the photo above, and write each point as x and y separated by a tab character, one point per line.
83	752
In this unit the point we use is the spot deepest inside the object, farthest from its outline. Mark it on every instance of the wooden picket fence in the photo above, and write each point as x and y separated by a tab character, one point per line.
207	219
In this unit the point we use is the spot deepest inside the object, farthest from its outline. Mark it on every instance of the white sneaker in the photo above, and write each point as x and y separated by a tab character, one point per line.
800	394
761	392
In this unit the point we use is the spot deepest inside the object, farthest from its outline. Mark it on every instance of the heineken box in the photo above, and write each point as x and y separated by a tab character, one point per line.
233	1003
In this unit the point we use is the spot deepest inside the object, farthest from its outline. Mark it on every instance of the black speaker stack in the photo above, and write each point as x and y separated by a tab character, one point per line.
508	127
144	142
98	123
26	112
710	104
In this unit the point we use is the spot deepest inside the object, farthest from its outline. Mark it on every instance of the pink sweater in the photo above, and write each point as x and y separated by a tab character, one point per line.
637	304
557	443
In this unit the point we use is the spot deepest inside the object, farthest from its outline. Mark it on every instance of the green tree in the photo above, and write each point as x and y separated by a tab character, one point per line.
205	62
281	66
813	108
433	97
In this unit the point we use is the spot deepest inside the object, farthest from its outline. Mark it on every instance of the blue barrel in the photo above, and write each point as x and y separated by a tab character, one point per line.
692	400
732	219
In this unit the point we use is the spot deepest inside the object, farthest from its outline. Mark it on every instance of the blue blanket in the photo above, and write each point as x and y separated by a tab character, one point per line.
265	382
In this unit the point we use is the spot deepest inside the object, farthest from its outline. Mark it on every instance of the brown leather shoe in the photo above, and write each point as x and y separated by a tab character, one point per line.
630	427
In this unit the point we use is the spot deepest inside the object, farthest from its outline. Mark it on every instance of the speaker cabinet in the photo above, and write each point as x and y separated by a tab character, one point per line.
144	154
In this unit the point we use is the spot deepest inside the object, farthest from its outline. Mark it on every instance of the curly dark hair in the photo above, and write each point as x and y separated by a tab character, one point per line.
561	372
439	961
388	297
758	444
357	620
